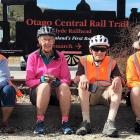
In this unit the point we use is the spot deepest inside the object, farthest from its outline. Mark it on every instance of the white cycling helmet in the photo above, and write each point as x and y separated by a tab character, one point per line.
46	30
136	45
138	34
98	40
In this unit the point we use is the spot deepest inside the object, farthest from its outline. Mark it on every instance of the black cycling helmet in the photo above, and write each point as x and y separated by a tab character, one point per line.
46	30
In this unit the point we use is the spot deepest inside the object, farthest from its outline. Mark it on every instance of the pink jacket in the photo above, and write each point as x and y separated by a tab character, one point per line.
36	68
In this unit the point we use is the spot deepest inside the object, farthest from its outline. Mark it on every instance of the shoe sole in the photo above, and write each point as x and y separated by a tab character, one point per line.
114	134
68	133
40	135
82	133
36	133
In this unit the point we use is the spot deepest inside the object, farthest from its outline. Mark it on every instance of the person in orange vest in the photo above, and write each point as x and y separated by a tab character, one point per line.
7	95
99	82
133	82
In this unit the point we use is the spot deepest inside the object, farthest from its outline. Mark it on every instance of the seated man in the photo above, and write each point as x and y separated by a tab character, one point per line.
7	95
133	82
47	68
99	83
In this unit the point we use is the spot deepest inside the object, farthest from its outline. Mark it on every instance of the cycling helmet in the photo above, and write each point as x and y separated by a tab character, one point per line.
138	34
136	45
46	30
98	40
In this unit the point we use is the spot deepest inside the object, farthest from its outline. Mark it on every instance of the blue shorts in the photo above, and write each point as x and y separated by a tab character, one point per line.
7	95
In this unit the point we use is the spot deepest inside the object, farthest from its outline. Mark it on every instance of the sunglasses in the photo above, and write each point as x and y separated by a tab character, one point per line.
99	49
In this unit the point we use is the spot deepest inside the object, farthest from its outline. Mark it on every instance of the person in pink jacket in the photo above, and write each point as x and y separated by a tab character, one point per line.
47	68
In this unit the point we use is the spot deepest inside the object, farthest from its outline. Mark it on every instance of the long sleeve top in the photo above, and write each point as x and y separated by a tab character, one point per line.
36	67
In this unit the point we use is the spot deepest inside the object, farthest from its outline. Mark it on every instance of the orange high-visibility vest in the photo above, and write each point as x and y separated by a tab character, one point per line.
136	57
133	70
99	75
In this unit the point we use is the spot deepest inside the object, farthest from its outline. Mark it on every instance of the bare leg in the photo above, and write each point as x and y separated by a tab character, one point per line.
43	98
84	100
115	99
64	99
85	126
135	101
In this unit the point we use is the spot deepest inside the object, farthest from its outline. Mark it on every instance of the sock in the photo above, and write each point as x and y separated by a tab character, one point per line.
65	118
86	116
40	117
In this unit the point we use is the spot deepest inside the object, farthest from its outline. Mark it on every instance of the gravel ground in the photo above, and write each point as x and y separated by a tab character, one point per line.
57	136
23	118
